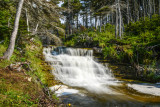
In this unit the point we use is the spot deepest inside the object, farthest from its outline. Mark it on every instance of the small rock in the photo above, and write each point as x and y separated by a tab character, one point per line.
29	79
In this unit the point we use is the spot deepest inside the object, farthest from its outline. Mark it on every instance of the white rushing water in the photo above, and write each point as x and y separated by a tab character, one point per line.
76	67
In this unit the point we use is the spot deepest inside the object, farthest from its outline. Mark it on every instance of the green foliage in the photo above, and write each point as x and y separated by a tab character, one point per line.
9	96
75	5
4	29
26	49
30	50
140	43
157	33
55	97
109	52
7	16
5	63
91	37
14	98
143	25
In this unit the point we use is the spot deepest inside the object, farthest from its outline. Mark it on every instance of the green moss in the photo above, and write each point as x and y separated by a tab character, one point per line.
15	90
28	93
16	98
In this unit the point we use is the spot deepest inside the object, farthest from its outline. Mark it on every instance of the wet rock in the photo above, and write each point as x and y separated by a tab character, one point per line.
61	90
97	50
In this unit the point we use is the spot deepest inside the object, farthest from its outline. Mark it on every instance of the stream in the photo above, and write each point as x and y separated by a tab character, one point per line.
88	83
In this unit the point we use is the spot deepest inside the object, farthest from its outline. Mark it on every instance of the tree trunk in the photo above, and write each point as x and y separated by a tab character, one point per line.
83	20
96	22
100	30
136	11
140	8
116	28
159	7
69	15
9	52
146	7
36	27
154	7
90	14
150	8
112	18
122	30
128	12
66	29
71	24
104	27
144	11
9	22
27	21
77	21
86	19
120	20
107	18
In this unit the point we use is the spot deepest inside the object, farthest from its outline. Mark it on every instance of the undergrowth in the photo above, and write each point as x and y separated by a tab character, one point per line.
15	90
139	46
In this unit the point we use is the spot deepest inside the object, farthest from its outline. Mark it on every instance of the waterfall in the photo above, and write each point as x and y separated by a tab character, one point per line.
76	67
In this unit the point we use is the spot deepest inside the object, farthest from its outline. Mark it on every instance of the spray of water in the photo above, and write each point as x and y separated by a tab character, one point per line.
76	67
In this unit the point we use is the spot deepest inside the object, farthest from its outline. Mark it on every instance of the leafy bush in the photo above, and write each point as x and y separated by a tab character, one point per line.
140	43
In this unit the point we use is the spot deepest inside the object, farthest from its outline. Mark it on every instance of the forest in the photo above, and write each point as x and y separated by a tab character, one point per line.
127	31
79	53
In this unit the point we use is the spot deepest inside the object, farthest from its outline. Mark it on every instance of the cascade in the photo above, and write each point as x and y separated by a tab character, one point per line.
89	83
76	67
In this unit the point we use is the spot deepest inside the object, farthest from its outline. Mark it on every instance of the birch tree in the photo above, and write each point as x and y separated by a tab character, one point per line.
10	49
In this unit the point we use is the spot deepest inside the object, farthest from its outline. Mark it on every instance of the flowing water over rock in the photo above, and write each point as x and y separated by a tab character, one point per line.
89	83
